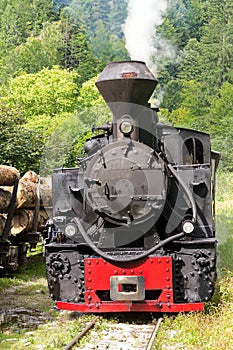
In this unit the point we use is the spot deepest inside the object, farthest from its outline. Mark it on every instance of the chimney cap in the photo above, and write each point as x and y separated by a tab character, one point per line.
126	81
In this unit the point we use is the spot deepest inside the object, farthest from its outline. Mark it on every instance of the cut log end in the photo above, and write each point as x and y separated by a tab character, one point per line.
8	175
23	221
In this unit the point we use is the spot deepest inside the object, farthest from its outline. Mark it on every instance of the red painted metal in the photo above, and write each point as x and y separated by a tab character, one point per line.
130	307
157	273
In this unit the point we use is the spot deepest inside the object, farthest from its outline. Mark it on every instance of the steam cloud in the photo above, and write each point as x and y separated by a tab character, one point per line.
140	28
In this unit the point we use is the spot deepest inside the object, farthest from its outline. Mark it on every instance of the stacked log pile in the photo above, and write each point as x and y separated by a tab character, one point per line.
29	187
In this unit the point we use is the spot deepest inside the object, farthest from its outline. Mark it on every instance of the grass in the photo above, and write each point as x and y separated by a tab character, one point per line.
33	269
54	335
224	188
224	220
28	288
207	330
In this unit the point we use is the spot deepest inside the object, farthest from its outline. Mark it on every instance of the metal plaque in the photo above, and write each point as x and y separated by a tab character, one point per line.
127	288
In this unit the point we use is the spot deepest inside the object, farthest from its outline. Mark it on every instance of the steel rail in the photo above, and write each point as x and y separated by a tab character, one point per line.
153	334
81	334
90	325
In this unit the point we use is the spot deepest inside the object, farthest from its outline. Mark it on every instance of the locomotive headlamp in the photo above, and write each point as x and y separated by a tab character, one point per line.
188	227
70	230
126	127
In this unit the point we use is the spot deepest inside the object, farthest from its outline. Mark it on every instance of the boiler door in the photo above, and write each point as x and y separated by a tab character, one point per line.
125	181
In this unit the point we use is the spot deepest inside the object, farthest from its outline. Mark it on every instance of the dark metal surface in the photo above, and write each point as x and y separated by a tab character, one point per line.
129	81
128	201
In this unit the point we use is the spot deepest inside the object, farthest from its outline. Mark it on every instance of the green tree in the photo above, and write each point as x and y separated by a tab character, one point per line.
43	51
50	92
33	105
89	95
203	65
220	120
20	147
92	108
103	21
190	57
193	109
75	52
107	47
184	20
216	47
20	19
117	16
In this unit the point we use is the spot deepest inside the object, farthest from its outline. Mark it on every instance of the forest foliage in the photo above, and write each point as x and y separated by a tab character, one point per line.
51	52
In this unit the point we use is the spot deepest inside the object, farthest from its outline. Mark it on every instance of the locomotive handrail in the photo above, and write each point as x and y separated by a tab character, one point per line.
107	257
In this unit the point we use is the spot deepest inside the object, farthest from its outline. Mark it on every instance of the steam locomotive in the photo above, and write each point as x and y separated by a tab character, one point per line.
133	226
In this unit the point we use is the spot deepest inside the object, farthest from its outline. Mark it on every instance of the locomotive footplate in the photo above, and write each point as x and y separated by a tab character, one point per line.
144	285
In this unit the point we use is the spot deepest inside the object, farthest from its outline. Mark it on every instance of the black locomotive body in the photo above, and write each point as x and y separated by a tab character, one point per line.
133	226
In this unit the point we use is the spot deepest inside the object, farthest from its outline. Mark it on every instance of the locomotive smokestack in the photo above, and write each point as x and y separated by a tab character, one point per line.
128	81
126	88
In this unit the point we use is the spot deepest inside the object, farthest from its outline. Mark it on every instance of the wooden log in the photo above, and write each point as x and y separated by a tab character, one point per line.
23	221
30	176
27	191
8	175
26	194
45	194
5	198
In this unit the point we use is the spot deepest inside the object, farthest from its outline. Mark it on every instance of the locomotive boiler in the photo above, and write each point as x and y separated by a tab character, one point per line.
133	226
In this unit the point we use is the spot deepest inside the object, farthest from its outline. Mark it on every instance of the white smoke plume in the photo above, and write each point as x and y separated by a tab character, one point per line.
140	28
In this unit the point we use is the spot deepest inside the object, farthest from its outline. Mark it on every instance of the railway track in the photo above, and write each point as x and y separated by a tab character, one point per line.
121	336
